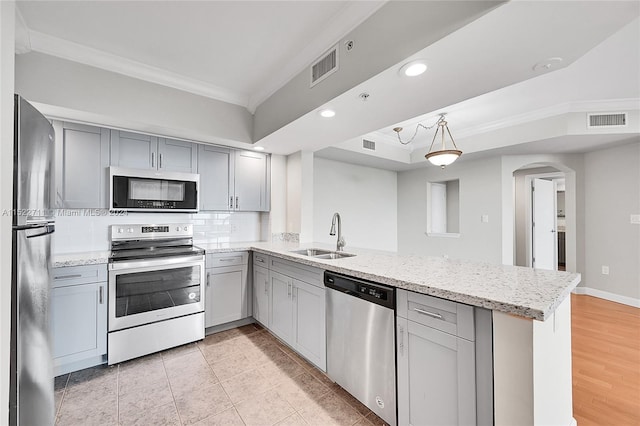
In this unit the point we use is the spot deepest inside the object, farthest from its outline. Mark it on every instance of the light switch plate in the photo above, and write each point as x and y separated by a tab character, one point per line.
605	270
635	219
484	218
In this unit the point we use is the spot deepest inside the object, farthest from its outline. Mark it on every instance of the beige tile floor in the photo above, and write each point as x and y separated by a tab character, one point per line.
243	376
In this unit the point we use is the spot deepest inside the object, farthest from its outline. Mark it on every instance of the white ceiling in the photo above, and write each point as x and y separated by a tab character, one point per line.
235	51
481	75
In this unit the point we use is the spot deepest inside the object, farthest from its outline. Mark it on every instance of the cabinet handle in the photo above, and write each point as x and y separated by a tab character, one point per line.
430	314
258	259
237	205
231	203
401	343
100	295
64	277
153	160
266	287
289	290
208	276
228	259
293	292
160	160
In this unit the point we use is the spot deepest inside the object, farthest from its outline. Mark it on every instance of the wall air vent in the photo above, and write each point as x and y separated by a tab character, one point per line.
618	119
326	65
368	144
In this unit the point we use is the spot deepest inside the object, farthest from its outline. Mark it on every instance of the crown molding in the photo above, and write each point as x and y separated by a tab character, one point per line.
342	23
75	52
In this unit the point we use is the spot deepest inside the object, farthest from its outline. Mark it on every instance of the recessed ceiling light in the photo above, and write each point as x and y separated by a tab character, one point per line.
258	148
327	113
547	64
413	68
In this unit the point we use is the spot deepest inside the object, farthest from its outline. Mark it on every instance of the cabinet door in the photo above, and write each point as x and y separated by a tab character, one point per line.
261	295
436	377
215	168
82	158
78	323
250	181
177	156
226	295
133	150
280	306
309	323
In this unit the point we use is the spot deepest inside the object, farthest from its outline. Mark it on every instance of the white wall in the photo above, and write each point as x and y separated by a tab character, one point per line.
366	199
480	193
83	93
612	194
300	195
81	231
7	37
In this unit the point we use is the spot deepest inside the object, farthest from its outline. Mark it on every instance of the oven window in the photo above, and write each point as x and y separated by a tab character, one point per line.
156	189
152	290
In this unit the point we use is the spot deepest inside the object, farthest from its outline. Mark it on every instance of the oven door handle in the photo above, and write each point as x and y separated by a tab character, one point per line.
157	262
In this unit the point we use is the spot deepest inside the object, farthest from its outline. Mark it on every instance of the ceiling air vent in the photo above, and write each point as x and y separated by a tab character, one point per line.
617	119
325	66
368	144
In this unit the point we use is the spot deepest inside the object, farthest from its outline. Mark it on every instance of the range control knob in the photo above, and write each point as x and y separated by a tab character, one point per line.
120	230
130	230
186	228
177	228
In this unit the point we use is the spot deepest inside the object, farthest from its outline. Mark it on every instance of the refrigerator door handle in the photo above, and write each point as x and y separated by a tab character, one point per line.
48	229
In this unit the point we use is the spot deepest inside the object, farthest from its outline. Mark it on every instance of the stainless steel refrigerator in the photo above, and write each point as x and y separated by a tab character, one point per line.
31	383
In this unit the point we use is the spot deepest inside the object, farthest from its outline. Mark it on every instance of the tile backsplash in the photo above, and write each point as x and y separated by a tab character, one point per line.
88	230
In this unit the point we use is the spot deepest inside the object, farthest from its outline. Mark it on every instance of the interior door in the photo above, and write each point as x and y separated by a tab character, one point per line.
543	234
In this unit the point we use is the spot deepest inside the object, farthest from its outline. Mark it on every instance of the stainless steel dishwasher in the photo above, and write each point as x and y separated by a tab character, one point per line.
361	348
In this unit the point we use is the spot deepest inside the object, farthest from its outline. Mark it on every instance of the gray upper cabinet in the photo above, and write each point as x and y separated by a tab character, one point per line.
138	151
251	181
82	158
233	180
177	156
215	166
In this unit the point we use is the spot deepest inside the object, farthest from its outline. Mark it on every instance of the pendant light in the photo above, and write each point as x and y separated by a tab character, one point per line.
442	157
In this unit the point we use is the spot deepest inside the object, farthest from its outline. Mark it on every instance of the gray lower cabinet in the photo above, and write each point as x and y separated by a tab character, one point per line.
82	158
79	317
227	290
140	151
297	309
260	292
436	361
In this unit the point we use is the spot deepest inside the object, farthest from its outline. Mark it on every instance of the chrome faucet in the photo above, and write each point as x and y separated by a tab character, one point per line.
341	242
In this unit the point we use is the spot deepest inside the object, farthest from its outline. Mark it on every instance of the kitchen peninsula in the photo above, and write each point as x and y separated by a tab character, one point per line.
530	309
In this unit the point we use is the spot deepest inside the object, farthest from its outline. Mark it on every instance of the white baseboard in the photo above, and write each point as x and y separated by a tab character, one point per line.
574	422
625	300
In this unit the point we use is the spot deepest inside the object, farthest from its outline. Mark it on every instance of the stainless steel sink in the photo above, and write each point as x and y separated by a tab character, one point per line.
311	252
322	253
334	255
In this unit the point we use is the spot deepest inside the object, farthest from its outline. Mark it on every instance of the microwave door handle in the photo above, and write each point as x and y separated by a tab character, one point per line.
160	160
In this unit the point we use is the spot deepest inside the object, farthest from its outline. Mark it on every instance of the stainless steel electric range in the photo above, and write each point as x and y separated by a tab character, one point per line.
156	289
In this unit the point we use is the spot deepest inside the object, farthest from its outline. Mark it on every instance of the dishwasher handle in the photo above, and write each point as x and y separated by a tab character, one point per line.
371	292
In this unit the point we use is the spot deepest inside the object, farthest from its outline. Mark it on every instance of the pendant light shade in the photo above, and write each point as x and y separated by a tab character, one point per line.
442	157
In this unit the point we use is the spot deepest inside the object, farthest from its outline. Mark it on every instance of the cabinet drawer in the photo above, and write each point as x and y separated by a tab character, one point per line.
260	259
73	275
227	259
451	317
305	273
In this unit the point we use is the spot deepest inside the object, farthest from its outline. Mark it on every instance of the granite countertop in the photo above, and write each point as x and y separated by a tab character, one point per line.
80	259
526	292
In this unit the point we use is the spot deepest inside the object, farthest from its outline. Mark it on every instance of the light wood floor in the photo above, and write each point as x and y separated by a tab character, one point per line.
606	362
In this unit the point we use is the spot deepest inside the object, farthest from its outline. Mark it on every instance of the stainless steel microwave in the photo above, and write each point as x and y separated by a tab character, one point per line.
152	191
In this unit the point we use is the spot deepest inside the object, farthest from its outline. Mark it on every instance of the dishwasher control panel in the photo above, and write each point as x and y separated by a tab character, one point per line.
372	292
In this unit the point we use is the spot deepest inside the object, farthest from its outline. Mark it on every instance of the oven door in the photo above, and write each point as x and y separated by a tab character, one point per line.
146	291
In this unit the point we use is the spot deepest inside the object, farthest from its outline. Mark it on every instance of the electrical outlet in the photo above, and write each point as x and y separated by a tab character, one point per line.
484	218
605	270
635	219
